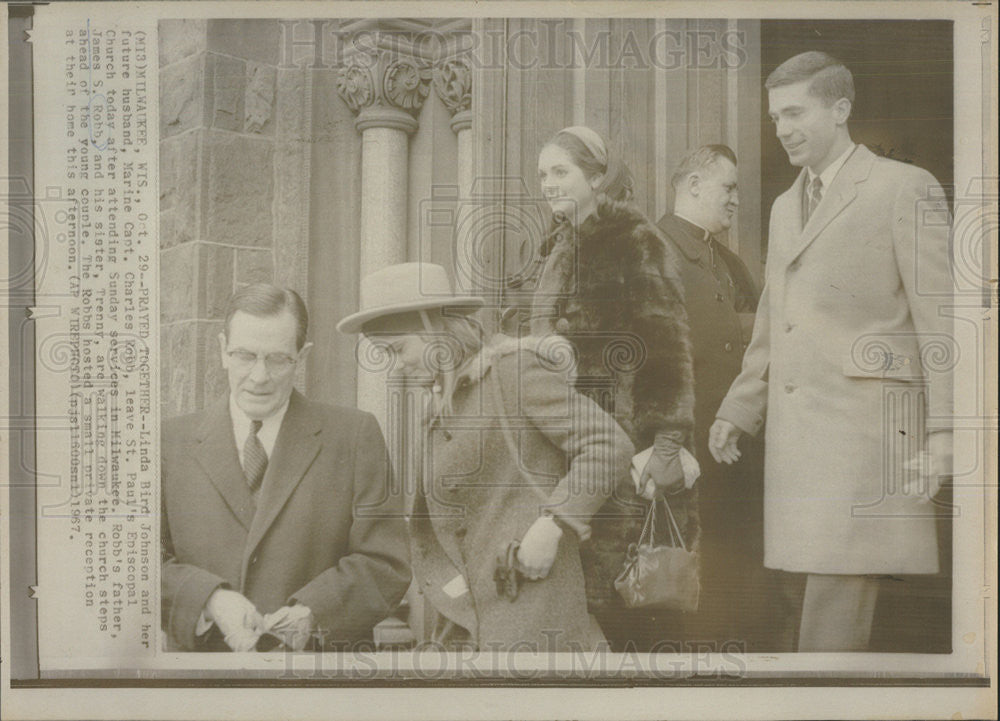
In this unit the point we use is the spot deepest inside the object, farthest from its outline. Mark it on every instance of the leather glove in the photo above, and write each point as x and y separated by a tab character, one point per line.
664	469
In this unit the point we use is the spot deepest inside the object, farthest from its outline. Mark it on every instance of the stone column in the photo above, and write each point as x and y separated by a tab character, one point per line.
453	83
386	90
384	152
218	229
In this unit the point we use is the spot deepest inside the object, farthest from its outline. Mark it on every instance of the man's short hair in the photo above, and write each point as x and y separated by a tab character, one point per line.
265	300
704	158
830	80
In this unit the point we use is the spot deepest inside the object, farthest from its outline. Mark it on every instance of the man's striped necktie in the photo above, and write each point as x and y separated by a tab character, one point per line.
254	457
815	195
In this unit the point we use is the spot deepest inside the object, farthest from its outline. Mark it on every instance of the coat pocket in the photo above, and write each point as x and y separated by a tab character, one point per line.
893	356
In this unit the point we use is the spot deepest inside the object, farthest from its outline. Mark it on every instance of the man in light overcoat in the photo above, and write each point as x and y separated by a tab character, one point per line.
849	360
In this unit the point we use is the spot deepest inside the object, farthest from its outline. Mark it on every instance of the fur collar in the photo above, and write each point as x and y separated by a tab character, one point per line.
611	218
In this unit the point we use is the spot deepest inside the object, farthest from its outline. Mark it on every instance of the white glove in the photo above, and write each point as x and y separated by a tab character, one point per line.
292	624
538	548
236	617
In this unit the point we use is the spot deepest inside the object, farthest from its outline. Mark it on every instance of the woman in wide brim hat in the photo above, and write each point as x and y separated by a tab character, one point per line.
512	454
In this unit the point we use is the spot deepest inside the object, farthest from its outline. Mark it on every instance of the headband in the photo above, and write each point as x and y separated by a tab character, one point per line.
593	141
617	183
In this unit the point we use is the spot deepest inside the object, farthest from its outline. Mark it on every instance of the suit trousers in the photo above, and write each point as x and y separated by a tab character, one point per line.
835	611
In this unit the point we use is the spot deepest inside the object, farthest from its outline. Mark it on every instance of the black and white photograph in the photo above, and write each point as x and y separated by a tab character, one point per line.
506	351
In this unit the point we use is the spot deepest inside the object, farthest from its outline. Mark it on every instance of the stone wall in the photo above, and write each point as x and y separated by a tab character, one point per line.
264	174
218	82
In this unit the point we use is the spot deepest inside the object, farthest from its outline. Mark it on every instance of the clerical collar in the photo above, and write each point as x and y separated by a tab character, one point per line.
695	229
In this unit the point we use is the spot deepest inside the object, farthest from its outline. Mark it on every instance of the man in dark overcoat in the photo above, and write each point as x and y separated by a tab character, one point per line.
278	523
720	296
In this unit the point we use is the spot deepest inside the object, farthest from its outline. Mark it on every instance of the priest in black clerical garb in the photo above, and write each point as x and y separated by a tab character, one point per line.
721	296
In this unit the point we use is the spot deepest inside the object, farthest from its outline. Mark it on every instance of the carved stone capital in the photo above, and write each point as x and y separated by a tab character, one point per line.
461	120
356	82
406	83
376	116
382	79
453	83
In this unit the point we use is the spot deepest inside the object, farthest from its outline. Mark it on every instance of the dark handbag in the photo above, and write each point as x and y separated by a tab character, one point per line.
660	577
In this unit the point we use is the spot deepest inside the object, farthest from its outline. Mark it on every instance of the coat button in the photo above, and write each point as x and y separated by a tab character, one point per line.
729	347
562	325
789	388
788	327
719	297
794	265
253	560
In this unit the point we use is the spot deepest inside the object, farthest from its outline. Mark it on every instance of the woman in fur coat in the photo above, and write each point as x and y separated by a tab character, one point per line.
608	282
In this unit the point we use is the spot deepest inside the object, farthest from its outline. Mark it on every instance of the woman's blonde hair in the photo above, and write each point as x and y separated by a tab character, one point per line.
459	339
451	339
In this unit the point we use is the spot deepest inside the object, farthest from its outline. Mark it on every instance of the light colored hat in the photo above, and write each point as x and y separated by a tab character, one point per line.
406	287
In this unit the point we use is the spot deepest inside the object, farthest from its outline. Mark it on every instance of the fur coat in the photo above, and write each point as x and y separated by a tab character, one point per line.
612	287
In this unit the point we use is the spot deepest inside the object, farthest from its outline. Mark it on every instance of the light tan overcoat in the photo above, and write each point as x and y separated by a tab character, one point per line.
851	334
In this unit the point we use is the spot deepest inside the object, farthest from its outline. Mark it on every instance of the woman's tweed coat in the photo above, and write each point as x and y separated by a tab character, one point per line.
477	497
612	287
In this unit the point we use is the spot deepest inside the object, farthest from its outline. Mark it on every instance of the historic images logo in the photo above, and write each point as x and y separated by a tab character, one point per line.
548	44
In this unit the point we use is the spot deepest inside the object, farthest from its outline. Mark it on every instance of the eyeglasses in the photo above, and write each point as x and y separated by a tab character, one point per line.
276	363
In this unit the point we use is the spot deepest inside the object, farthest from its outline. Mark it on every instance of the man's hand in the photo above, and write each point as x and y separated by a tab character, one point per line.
929	469
940	446
722	440
538	548
236	617
663	472
292	624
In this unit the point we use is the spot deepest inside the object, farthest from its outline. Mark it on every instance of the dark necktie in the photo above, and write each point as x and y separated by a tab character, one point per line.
814	196
254	457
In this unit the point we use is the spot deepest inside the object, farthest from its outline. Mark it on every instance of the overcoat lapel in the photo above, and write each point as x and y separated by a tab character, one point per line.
216	454
295	449
840	194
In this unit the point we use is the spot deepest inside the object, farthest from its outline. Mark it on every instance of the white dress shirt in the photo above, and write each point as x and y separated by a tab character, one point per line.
267	435
827	176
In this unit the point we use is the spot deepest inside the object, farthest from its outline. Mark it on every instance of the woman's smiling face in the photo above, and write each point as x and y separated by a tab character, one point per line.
564	184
